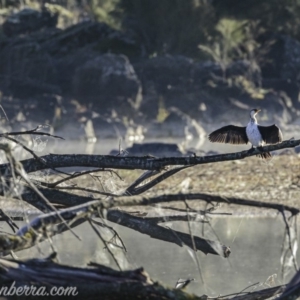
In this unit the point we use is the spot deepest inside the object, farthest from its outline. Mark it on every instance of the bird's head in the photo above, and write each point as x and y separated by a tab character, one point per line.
253	112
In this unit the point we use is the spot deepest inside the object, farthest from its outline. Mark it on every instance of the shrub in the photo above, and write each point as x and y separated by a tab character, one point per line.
169	26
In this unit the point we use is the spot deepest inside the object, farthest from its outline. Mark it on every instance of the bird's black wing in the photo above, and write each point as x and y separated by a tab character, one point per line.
230	135
270	134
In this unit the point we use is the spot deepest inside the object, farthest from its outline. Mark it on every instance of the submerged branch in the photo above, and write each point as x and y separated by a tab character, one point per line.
34	232
158	232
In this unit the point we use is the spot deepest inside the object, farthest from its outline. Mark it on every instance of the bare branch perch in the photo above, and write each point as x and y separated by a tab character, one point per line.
141	163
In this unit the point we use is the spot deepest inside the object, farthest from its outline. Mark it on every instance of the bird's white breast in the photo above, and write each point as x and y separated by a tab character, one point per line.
254	135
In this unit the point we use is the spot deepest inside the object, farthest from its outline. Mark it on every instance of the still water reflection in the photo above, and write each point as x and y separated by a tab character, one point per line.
256	245
103	147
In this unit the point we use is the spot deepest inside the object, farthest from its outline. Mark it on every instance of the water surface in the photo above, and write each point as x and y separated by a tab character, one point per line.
256	245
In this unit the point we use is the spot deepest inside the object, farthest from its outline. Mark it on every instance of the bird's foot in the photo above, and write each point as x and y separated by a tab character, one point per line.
260	148
251	149
263	155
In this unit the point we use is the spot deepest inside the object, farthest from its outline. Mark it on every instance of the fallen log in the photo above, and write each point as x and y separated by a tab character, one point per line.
93	282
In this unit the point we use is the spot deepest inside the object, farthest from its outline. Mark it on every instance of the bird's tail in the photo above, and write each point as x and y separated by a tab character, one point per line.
265	155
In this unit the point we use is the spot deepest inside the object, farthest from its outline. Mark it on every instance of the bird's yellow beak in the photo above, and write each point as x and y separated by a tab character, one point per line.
258	110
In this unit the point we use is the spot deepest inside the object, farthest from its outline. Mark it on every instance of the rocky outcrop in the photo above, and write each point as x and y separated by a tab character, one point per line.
108	80
96	70
165	73
45	62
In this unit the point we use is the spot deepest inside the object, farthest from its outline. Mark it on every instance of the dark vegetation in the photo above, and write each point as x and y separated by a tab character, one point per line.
60	61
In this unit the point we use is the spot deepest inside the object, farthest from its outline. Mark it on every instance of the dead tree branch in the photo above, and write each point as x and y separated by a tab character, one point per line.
34	232
262	294
164	234
139	200
90	282
42	227
30	132
140	163
77	174
9	221
292	290
135	189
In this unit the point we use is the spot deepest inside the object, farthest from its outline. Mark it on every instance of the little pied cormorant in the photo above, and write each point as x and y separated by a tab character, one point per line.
257	135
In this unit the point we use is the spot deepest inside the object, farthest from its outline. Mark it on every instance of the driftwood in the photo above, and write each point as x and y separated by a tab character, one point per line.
88	283
95	282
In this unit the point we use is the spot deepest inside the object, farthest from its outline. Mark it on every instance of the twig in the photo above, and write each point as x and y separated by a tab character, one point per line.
74	187
287	228
32	131
131	189
262	294
24	147
20	171
9	221
105	243
172	218
4	113
193	243
200	212
113	230
246	288
32	233
139	200
77	174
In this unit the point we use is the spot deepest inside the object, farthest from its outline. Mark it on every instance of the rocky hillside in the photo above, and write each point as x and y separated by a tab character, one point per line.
92	77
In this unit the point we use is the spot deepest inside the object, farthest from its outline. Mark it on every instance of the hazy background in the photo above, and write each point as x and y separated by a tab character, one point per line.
148	69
